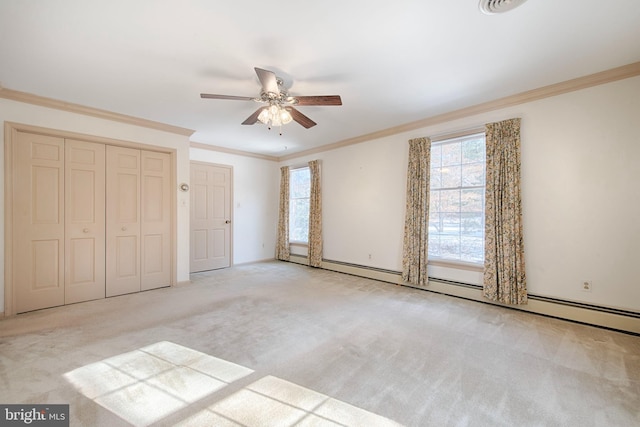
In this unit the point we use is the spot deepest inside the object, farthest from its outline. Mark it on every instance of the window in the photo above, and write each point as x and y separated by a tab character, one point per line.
456	206
299	192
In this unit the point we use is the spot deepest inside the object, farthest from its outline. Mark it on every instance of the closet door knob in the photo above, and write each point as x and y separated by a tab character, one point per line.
86	230
124	228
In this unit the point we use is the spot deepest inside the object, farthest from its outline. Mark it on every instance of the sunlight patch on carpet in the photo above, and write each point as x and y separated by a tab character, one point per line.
150	383
272	401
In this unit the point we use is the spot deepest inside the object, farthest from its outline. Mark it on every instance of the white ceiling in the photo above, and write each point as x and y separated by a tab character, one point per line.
393	62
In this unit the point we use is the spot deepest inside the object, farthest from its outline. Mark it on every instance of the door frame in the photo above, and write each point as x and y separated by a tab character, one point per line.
11	130
230	167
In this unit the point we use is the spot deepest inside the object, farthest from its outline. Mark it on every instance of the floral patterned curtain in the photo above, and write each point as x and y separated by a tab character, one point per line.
504	276
416	225
315	216
282	243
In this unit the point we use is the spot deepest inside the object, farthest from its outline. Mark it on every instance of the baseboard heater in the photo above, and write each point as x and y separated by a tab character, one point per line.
606	317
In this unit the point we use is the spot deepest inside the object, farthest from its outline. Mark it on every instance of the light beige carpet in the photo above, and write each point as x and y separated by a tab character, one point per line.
279	344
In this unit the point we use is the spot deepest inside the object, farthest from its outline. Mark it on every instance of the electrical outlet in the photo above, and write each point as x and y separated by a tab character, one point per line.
369	256
586	286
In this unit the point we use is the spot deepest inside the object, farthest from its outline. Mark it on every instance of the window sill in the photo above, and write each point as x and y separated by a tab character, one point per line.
460	265
301	244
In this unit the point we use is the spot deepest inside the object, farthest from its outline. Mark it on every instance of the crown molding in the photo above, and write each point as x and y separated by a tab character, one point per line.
584	82
42	101
232	151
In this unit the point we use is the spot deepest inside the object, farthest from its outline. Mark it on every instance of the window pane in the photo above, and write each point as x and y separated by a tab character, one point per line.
473	174
434	245
472	224
471	200
299	220
436	156
450	200
472	249
450	247
434	202
435	177
451	176
450	154
451	223
435	226
300	183
473	150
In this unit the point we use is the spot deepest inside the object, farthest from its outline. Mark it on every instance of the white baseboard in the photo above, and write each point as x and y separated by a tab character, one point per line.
561	309
592	315
253	262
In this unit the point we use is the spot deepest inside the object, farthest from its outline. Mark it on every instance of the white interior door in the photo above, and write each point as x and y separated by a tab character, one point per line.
123	221
84	221
38	218
210	217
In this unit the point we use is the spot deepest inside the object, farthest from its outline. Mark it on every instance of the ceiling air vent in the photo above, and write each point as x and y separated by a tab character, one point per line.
491	7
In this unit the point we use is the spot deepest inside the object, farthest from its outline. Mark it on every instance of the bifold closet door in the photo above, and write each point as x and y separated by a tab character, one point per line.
122	221
38	219
84	221
155	227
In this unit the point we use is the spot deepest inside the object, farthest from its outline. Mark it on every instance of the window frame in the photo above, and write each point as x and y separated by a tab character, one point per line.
459	137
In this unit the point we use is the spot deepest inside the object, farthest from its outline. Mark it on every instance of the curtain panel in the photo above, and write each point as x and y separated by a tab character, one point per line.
282	242
315	216
504	272
416	226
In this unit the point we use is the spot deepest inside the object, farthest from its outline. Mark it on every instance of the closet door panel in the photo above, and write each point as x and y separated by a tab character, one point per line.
38	218
122	221
84	221
156	220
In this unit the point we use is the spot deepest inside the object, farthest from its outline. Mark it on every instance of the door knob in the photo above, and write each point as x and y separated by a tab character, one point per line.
124	228
86	230
227	222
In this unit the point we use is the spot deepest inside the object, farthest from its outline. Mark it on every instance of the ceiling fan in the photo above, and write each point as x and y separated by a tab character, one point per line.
279	105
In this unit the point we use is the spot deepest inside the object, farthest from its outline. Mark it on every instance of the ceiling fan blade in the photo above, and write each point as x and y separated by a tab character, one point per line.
300	118
319	100
237	98
252	119
268	80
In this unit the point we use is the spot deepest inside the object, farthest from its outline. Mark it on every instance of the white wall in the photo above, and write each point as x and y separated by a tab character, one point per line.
580	187
23	113
255	203
363	202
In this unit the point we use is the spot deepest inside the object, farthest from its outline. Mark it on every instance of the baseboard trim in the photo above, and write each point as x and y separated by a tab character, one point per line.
253	262
605	317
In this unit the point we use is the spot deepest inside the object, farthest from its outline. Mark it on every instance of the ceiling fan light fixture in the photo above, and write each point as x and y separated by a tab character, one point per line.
263	117
275	115
492	7
285	116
